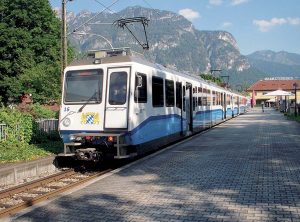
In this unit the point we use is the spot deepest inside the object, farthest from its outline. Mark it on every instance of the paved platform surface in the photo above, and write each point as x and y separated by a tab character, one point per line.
247	169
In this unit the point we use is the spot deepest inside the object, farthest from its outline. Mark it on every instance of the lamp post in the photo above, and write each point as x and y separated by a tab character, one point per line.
295	86
93	34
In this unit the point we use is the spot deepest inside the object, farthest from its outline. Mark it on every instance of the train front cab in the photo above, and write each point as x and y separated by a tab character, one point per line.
94	111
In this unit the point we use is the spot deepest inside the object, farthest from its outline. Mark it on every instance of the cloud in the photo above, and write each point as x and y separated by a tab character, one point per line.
216	2
226	24
189	14
238	2
266	25
293	21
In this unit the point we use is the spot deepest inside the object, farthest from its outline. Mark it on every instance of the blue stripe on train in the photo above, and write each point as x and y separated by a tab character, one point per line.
229	112
235	111
156	127
203	118
242	109
159	126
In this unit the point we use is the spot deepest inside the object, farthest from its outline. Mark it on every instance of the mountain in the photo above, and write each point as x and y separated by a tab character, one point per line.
173	41
281	57
278	63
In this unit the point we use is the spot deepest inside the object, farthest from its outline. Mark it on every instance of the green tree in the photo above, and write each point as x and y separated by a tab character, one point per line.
212	78
29	50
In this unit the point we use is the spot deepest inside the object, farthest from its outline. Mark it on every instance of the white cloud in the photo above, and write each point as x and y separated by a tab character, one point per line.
266	25
189	13
216	2
293	21
226	24
238	2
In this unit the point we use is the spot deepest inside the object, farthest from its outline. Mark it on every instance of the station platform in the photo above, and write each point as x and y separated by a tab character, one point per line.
246	169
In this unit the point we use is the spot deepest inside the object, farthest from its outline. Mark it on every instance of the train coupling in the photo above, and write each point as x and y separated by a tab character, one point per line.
88	154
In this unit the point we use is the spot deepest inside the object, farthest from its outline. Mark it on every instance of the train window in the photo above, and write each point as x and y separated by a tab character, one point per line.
84	86
157	92
199	101
140	93
228	100
169	88
208	100
213	98
179	95
117	88
194	103
204	101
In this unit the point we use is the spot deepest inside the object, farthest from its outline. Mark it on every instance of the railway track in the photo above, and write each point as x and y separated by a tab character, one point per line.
14	199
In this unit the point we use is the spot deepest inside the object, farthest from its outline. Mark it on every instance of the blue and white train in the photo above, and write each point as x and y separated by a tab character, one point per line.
116	103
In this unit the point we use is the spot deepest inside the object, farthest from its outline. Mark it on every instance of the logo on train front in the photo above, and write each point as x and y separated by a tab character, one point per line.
90	118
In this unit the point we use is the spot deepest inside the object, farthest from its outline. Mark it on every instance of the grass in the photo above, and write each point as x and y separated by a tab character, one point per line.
18	151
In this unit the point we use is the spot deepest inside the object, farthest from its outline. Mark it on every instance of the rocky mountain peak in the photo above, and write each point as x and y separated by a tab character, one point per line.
228	37
173	41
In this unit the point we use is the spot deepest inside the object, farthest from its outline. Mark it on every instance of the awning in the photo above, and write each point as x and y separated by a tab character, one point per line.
271	100
279	93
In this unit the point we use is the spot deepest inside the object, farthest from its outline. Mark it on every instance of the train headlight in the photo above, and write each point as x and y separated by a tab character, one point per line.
66	122
72	137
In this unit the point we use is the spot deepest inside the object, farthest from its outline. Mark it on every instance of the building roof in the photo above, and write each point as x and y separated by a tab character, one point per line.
271	85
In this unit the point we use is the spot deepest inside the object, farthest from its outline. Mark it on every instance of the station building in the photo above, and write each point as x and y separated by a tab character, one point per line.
267	85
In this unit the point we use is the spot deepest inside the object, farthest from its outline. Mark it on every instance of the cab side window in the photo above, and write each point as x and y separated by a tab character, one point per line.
140	92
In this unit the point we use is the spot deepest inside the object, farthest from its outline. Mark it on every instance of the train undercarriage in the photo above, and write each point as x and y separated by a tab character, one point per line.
94	147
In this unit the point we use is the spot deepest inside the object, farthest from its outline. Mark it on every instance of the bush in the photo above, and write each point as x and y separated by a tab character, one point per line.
40	112
21	129
19	125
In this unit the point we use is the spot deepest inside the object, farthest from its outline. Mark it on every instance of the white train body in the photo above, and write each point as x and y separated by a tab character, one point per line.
123	105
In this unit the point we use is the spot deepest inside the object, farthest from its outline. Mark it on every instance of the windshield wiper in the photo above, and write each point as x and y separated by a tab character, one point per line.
81	108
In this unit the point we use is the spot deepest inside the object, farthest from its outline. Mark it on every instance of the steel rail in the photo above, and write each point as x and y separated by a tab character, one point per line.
8	211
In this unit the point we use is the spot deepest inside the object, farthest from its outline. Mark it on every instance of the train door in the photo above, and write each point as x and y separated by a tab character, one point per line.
224	104
238	105
116	110
189	107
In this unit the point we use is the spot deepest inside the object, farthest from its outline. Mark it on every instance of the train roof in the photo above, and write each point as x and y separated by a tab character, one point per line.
124	55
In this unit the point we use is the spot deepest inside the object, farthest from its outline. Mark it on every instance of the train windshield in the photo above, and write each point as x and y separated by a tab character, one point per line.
84	86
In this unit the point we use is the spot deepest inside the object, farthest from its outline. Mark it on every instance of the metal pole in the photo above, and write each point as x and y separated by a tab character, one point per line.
64	37
295	99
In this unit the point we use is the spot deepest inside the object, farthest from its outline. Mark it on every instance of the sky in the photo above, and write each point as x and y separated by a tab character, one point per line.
255	24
